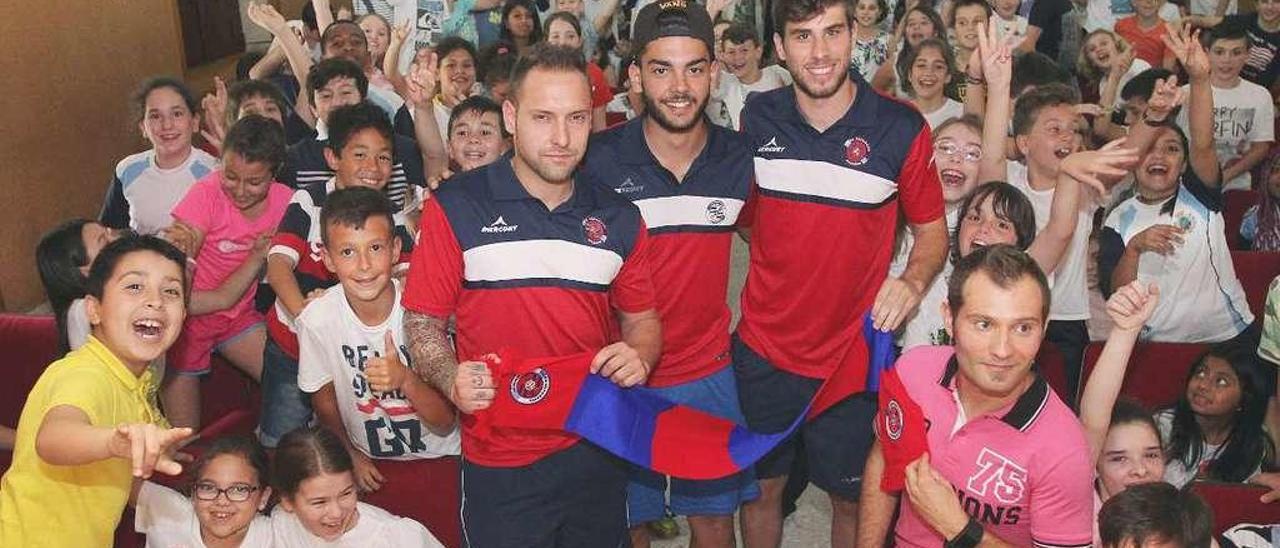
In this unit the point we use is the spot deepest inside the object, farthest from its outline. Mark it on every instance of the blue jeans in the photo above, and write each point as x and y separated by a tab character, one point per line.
284	407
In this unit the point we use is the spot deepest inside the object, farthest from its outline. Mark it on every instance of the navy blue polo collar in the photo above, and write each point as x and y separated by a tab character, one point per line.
862	113
505	186
635	149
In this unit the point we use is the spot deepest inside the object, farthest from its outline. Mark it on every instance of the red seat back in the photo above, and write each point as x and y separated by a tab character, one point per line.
1157	373
226	390
30	344
1235	204
1255	270
1053	367
1236	503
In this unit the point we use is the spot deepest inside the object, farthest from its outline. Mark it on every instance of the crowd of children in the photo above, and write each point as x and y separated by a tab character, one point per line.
1080	151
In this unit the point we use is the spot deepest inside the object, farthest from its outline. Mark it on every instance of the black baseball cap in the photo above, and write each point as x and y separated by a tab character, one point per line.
666	18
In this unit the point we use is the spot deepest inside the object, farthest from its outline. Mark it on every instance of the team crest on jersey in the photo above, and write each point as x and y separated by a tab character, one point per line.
716	212
594	230
893	420
529	388
856	151
1184	220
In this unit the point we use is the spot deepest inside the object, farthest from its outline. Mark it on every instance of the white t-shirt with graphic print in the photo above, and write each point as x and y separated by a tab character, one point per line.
1242	115
334	346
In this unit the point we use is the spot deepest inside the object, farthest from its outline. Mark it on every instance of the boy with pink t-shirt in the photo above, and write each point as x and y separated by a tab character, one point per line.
1007	461
230	216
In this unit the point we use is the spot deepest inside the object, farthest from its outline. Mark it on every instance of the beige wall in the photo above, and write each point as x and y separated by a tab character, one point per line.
69	68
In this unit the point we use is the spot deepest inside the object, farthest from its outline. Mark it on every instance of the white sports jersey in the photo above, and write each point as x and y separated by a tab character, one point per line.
334	346
1210	304
142	194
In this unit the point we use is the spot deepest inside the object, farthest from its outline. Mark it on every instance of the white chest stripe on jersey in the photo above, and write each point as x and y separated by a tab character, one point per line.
689	211
541	259
823	180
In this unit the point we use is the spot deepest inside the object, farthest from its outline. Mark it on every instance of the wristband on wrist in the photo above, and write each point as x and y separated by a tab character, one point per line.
1146	119
969	537
975	81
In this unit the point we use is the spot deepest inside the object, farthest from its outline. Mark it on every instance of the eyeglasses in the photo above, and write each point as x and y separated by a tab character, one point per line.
236	493
970	154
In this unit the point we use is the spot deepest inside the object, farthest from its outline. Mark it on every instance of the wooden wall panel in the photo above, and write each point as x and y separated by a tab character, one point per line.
70	68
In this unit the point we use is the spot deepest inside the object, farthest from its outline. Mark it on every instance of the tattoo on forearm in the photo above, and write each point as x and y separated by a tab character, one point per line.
429	349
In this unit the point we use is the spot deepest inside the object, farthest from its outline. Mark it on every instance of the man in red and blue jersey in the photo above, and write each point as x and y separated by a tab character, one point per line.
533	260
835	165
690	179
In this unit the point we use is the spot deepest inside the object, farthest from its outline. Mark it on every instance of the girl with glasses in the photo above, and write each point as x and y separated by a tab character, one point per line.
228	494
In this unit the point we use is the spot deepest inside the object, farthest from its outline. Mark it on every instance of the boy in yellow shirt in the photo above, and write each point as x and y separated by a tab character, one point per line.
88	433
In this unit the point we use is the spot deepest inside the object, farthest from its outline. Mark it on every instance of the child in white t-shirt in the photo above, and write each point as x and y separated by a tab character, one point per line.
1009	25
400	433
1243	114
225	508
319	506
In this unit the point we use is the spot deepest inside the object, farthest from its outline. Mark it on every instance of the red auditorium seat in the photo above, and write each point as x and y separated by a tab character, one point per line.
1053	367
31	344
1157	372
1256	269
1235	503
1235	203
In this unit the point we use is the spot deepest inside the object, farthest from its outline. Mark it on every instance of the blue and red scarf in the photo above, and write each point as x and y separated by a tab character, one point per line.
637	423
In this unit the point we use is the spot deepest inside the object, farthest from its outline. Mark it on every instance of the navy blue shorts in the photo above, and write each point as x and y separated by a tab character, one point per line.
574	498
835	443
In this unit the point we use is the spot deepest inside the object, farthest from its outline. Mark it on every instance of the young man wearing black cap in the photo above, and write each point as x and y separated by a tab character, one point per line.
690	179
835	163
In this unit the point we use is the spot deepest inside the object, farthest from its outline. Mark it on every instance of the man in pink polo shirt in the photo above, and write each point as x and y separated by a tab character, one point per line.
1007	464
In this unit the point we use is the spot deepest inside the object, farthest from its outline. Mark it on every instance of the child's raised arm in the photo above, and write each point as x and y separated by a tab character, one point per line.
997	70
300	63
1129	307
67	438
421	86
391	59
1203	156
1080	172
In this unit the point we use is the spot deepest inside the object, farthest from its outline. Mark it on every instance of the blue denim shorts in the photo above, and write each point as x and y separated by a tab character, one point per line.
717	394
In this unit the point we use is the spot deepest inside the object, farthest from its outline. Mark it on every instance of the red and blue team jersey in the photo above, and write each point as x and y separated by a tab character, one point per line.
527	280
691	228
1020	471
299	239
822	216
